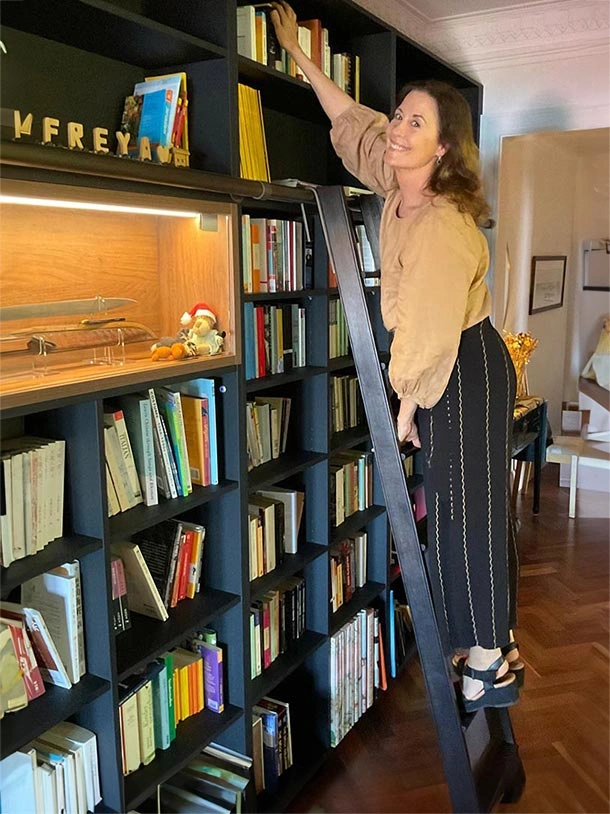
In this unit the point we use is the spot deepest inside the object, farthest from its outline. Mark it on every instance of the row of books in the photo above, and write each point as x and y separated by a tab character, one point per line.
256	39
162	566
272	741
55	773
160	443
274	257
157	109
338	337
214	782
253	156
357	671
276	621
174	687
31	495
275	338
347	408
274	522
267	419
348	569
351	483
401	632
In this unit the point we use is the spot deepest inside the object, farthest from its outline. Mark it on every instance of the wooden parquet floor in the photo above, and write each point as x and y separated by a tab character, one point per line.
390	762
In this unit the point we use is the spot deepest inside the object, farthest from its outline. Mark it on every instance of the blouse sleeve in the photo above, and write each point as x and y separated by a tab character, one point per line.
358	136
431	307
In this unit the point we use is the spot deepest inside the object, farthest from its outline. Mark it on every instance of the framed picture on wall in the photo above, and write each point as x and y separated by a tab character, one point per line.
547	283
596	265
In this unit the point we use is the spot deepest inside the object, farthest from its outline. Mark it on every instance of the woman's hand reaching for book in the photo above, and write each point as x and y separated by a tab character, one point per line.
284	21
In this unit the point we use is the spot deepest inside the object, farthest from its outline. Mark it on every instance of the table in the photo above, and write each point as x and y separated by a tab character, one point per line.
529	438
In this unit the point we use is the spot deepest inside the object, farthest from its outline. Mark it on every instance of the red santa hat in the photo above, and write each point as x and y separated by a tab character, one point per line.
201	309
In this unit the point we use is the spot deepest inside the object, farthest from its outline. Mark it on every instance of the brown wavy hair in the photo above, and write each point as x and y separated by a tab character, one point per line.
458	176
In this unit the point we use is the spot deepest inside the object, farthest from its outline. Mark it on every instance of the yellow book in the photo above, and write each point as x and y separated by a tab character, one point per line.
193	431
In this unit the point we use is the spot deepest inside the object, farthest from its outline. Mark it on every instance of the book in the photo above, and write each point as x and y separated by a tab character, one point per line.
26	659
142	593
293	502
160	547
130	730
163	462
81	736
170	402
213	678
13	694
116	419
48	658
138	419
159	107
206	388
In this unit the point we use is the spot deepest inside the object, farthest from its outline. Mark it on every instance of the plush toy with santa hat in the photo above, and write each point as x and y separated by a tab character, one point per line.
202	338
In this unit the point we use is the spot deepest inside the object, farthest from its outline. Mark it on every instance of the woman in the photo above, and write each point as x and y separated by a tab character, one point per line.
448	365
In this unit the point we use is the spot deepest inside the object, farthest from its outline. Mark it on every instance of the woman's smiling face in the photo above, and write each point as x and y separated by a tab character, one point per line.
412	133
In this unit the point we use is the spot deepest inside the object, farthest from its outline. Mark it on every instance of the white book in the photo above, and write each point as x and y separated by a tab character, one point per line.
137	412
59	457
246	31
146	729
292	516
55	598
6	520
52	754
116	419
76	752
48	783
130	738
114	507
142	594
17	513
118	470
71	570
80	736
57	768
17	782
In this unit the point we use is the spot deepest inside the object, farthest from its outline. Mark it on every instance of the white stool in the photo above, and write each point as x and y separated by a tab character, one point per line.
569	449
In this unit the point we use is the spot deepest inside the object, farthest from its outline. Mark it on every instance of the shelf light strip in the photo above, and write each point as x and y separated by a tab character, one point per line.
98	207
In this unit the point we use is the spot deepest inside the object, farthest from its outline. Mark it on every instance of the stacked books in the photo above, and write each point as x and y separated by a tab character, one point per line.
267	419
157	110
351	484
271	727
253	157
276	621
55	773
162	566
160	443
31	495
256	40
357	671
274	521
214	781
347	568
338	337
273	256
275	338
179	684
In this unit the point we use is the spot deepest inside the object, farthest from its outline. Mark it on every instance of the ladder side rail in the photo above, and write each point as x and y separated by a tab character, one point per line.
339	234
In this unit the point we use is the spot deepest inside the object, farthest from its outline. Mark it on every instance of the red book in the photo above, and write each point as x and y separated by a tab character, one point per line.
22	646
315	27
260	340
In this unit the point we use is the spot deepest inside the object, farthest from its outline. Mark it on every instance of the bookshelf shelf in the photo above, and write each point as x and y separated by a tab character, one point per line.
361	598
288	464
127	36
191	736
143	517
348	438
55	705
355	522
285	664
148	638
114	44
54	554
294	778
291	565
282	379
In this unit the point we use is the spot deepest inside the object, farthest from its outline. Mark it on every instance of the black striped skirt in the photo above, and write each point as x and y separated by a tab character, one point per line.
466	442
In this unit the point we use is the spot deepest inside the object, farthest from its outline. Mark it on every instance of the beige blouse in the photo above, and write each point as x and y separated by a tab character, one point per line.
433	266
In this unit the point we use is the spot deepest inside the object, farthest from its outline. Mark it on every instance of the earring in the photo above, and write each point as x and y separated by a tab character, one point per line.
438	159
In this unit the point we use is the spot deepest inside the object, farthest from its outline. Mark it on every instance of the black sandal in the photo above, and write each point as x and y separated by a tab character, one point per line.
517	667
497	692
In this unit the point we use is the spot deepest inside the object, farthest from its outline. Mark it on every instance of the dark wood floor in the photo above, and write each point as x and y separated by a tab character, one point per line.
390	763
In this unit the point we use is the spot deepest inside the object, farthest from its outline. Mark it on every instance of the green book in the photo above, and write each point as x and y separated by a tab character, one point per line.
168	660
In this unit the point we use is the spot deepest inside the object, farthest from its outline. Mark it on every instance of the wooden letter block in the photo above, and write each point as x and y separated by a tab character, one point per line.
50	128
122	142
145	153
75	135
163	155
100	140
22	128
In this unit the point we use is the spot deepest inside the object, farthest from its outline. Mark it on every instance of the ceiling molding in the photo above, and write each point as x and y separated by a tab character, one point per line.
531	32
